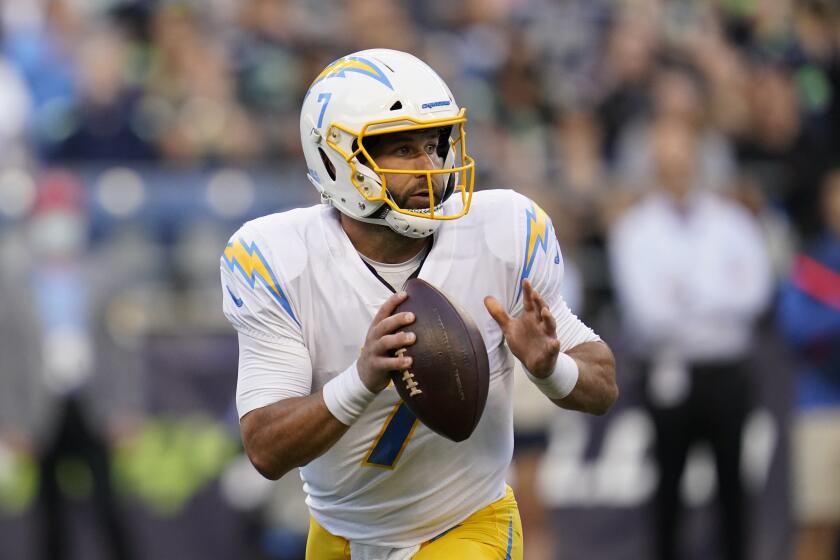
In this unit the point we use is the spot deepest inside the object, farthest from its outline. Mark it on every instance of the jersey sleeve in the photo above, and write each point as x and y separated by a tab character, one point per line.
274	362
255	295
541	262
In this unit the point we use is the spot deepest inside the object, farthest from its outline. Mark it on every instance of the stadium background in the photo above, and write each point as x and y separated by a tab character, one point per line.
160	126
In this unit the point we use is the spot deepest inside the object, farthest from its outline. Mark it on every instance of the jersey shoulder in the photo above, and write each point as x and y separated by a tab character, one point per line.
261	266
277	238
491	203
504	207
514	226
288	226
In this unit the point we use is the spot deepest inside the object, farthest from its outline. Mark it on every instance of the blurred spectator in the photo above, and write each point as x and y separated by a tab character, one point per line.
192	95
524	115
775	150
774	223
70	386
384	23
628	63
43	54
818	75
692	276
809	313
107	118
268	70
15	106
725	72
677	94
580	176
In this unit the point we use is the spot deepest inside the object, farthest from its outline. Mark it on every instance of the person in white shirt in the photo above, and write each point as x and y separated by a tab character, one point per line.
313	292
692	275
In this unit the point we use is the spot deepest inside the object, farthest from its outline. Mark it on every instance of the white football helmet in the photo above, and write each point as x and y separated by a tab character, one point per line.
374	92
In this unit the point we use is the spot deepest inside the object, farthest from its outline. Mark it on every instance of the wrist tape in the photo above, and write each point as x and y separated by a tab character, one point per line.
562	380
346	396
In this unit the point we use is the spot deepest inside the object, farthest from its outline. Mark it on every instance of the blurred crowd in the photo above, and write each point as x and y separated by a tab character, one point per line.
563	97
688	152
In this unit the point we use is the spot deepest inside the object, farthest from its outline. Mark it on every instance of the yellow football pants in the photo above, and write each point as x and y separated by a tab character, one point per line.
491	533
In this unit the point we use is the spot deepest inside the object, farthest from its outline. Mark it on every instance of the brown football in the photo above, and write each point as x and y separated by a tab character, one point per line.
446	386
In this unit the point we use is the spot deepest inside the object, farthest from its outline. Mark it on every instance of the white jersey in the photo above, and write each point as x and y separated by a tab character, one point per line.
295	282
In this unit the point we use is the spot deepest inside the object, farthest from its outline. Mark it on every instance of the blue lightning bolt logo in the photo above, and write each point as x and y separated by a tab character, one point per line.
252	265
536	237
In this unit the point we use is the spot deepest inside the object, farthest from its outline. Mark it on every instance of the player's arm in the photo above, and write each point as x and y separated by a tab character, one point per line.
293	431
288	434
584	374
596	390
561	355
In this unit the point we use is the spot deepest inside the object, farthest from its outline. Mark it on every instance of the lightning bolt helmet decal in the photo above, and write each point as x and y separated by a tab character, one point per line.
357	64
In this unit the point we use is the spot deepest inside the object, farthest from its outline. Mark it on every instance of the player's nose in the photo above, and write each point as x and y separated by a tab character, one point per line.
425	162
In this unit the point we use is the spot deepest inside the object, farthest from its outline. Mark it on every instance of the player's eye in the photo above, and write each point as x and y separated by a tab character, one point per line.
431	148
402	150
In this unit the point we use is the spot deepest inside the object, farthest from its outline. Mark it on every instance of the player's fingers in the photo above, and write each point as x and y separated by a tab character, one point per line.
528	292
548	321
497	311
397	363
395	341
389	306
539	302
542	307
391	324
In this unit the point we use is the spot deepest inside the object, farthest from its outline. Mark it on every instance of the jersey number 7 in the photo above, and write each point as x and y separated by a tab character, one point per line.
392	439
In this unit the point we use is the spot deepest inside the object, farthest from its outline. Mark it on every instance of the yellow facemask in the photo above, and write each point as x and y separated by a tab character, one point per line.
458	163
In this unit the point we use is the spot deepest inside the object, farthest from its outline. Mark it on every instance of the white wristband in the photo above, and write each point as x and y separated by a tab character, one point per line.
562	380
346	396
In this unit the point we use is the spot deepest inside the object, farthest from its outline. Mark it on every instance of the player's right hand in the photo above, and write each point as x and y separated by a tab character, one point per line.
385	336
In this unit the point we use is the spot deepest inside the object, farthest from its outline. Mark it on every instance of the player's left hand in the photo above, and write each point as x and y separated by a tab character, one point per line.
532	336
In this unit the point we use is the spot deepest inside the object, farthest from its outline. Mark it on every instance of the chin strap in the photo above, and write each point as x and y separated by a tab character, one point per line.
404	225
408	226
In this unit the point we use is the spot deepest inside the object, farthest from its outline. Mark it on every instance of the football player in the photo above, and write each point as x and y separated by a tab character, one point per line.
386	146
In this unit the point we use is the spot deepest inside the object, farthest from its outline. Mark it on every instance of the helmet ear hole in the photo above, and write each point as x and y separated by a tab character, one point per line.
327	163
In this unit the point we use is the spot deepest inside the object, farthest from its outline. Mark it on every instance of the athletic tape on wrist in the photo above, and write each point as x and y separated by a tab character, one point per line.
346	396
562	380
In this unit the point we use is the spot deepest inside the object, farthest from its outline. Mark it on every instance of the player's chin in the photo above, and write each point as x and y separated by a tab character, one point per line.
420	202
417	203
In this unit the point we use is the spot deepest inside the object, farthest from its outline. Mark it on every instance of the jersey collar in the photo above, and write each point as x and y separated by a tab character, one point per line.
373	291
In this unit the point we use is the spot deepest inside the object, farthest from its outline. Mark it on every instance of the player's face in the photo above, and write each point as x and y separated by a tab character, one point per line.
416	149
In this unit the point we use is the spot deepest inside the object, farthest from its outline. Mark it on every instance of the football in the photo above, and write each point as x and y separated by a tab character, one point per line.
446	386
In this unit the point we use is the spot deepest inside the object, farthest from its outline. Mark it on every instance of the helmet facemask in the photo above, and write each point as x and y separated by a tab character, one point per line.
455	174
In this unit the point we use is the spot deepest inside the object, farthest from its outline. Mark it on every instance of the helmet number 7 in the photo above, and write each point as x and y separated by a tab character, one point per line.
325	99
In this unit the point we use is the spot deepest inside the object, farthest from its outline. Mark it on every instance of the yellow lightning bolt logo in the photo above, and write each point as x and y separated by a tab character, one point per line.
342	66
252	265
535	238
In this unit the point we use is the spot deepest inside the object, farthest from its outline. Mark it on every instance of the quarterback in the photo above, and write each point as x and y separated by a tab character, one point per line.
312	293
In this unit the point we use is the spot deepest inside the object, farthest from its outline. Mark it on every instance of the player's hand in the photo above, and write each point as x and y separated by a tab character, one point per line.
532	336
377	361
